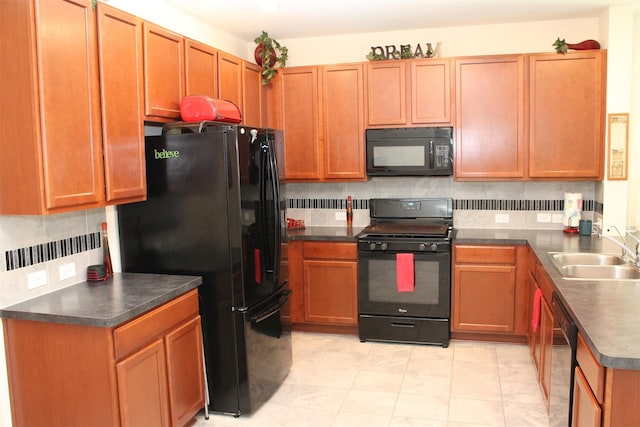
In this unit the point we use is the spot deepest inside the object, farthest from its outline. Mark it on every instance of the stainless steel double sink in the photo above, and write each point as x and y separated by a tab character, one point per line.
593	266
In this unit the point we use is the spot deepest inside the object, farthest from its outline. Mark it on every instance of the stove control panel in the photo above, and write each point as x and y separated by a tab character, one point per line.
403	246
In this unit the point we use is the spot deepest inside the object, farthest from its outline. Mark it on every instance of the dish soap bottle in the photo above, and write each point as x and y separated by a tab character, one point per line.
349	211
106	255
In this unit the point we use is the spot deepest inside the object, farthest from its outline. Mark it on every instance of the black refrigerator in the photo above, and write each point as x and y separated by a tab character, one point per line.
214	208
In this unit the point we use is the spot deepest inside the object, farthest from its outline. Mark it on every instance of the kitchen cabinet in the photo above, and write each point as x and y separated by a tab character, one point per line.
230	78
201	69
603	396
343	122
147	371
323	120
252	96
301	122
122	93
285	314
566	115
490	118
324	280
163	73
486	295
408	92
51	132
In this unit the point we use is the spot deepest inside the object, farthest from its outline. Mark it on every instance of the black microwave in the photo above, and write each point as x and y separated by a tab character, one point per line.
410	151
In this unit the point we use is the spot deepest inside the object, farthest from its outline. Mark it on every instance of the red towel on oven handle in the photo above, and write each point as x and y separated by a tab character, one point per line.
405	272
537	302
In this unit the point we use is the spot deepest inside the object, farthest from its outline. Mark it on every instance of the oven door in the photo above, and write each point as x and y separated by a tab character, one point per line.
378	292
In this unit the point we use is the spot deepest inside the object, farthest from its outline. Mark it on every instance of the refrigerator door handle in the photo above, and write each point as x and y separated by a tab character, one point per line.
283	298
275	183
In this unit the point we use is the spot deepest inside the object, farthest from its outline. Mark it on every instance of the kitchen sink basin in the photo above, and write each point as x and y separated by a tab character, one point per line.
593	266
601	272
584	258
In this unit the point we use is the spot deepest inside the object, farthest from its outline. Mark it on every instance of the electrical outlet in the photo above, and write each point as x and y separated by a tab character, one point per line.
502	218
37	279
544	217
67	271
341	216
556	218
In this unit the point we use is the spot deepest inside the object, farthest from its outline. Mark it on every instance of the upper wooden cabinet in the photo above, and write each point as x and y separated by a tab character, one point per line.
409	92
566	107
230	78
322	112
121	89
50	130
549	125
201	69
301	122
343	122
164	73
252	96
489	119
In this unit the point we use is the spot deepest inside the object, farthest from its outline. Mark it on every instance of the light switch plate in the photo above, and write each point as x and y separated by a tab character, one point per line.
502	218
341	216
556	218
67	271
544	217
37	279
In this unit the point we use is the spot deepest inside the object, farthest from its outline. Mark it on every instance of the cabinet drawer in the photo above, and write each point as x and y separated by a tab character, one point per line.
485	254
592	370
324	250
137	333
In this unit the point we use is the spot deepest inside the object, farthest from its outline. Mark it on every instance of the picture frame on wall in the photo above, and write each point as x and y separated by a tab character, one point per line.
618	146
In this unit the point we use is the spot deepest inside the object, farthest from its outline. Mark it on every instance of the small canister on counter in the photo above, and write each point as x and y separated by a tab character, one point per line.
585	226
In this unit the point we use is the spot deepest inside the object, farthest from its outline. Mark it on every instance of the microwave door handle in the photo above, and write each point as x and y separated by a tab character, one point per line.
430	154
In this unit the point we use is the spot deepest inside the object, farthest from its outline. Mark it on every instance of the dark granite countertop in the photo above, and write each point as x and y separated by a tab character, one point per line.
104	304
325	233
607	312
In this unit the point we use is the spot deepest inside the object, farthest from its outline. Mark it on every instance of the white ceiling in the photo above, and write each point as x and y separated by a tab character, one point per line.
306	18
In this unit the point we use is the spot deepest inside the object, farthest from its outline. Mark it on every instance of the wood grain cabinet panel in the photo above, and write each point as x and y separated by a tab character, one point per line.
430	91
301	123
489	118
164	72
230	78
201	69
51	132
386	93
566	107
122	91
252	96
586	411
343	119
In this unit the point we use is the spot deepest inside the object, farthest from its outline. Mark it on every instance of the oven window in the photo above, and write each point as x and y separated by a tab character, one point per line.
400	155
382	283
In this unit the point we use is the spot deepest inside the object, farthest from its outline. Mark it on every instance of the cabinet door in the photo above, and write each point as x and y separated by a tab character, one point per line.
142	387
489	118
546	347
301	123
185	371
121	78
430	91
566	107
483	298
586	411
386	93
343	108
230	79
69	103
164	72
534	335
330	292
201	69
252	94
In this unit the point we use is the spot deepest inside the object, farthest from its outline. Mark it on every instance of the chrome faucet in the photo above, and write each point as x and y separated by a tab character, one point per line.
635	255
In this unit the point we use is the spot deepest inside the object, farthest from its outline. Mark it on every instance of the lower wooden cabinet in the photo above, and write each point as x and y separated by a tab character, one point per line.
488	294
145	372
586	409
324	280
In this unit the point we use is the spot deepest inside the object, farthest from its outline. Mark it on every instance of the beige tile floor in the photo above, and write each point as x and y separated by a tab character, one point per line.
338	381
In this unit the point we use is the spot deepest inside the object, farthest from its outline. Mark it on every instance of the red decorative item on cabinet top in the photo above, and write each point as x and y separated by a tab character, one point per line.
258	58
198	108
